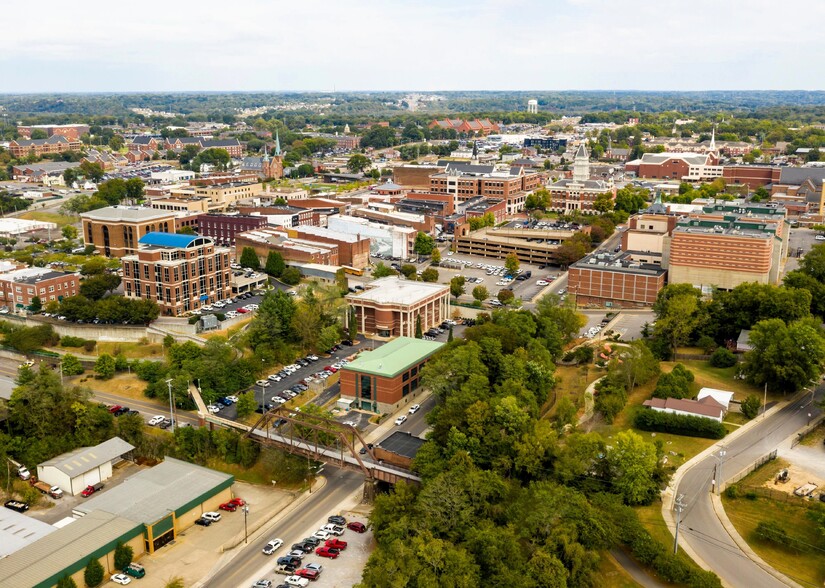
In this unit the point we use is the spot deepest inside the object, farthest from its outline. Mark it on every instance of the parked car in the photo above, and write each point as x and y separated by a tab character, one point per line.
272	546
314	540
315	566
327	552
296	581
336	544
308	573
203	522
23	473
304	547
263	583
262	383
227	506
156	420
357	527
414	408
288	560
212	516
400	420
321	534
121	579
337	520
336	530
135	570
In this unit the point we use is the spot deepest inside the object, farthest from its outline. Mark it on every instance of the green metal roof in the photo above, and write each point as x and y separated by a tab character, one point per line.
393	358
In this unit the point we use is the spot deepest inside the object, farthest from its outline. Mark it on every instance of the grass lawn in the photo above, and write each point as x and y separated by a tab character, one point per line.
720	378
571	382
231	331
651	517
61	220
612	574
128	385
807	569
131	350
257	474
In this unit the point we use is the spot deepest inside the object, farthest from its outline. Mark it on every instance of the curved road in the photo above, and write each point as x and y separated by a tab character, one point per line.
701	529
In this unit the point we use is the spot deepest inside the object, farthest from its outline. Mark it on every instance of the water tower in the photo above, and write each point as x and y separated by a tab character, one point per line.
533	106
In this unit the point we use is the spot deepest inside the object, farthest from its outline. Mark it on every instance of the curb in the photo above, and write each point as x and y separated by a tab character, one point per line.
719	510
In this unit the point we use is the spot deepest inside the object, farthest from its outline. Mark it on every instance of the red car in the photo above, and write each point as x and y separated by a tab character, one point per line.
327	552
357	527
237	502
308	574
241	310
228	506
114	408
336	544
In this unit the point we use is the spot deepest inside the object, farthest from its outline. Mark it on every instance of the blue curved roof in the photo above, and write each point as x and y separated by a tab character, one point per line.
168	239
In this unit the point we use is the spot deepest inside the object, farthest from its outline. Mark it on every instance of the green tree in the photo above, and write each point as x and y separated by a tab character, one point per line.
436	256
675	384
69	232
291	276
36	304
633	464
631	199
275	265
722	358
70	365
123	555
457	286
249	258
786	357
246	404
679	314
603	202
429	275
379	137
419	333
424	244
66	582
39	134
511	263
505	296
450	335
91	171
481	293
358	163
352	324
409	271
116	143
93	575
96	287
105	367
751	405
382	271
134	189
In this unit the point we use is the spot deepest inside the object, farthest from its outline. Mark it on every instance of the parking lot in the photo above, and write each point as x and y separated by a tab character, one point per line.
800	242
630	324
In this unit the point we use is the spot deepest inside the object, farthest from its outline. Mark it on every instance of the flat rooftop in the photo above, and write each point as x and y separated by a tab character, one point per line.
18	530
618	262
393	358
402	443
396	290
126	213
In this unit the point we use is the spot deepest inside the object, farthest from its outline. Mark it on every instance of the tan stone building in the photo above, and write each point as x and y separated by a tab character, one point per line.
115	230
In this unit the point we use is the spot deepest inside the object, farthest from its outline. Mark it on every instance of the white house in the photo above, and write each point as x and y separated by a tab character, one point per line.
707	407
75	470
723	397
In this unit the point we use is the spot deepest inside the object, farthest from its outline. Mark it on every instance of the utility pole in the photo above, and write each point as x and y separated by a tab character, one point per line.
245	533
721	457
679	506
765	401
171	406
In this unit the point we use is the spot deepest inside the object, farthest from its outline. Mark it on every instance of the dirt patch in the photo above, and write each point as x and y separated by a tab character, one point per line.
126	385
798	476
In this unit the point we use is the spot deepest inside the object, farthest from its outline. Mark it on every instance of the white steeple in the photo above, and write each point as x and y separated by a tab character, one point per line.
712	147
581	165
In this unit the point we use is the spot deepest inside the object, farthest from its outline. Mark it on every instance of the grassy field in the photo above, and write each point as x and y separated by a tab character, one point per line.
128	385
230	332
807	569
571	382
651	517
61	220
131	350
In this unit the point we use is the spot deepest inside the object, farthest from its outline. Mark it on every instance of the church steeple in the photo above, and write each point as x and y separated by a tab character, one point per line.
712	146
277	144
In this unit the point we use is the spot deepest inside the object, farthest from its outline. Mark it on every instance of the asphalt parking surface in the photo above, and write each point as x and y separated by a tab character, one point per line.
800	242
630	325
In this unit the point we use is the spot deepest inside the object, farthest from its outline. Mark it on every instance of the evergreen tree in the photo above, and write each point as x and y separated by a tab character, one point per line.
450	336
275	265
93	575
250	259
123	556
66	582
419	334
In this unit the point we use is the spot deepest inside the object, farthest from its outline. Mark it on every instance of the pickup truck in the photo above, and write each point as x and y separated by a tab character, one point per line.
53	491
91	489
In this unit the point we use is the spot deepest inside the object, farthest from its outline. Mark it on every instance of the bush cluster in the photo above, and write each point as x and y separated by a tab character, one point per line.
692	426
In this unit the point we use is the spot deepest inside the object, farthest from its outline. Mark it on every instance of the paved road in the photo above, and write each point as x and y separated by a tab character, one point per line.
701	528
292	528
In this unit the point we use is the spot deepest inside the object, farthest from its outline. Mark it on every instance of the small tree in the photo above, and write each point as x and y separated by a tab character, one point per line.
275	265
291	276
246	404
751	405
93	575
36	305
419	333
722	358
358	163
341	281
506	296
105	366
70	365
352	324
457	286
249	258
706	344
430	275
69	232
424	244
382	271
511	262
450	335
481	293
123	555
66	582
409	271
436	256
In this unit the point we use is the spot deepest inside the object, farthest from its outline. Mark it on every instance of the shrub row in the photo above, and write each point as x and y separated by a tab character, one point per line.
692	426
68	341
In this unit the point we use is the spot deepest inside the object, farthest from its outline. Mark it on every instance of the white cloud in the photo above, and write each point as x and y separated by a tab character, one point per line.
396	44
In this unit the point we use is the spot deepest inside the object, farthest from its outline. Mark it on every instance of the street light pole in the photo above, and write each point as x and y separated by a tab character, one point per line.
245	532
171	410
721	456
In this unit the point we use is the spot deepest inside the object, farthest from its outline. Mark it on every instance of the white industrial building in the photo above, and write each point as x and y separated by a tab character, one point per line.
75	470
388	240
18	226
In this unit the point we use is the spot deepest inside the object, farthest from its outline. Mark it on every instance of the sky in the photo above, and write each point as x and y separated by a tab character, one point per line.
422	45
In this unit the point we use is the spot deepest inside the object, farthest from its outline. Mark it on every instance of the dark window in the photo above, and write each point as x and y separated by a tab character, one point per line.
366	387
405	377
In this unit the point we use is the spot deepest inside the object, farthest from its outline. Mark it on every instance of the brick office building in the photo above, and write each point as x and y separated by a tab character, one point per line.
752	176
19	287
465	181
689	167
383	379
266	239
580	192
390	307
179	272
114	231
353	250
223	228
609	279
54	144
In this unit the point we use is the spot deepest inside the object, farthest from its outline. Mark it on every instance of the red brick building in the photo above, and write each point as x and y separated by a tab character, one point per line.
691	167
19	287
469	127
751	175
465	181
54	144
73	132
615	280
223	228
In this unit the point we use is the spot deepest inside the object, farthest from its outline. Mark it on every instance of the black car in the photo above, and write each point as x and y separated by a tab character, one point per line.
314	541
289	560
363	449
165	424
16	505
346	342
225	401
203	522
121	411
131	412
337	520
303	546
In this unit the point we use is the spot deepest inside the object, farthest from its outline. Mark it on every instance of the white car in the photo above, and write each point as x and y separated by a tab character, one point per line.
296	581
122	579
262	383
313	358
212	516
820	237
213	408
232	398
321	534
315	566
277	400
349	424
400	420
274	377
156	420
414	408
542	283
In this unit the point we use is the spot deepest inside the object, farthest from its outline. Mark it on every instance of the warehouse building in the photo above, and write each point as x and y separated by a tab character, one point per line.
165	499
18	530
85	466
67	551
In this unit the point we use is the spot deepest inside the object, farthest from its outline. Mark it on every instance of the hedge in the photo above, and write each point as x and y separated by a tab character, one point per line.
692	426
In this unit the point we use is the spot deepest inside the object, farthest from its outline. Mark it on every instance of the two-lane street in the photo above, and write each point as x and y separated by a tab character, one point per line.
701	529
